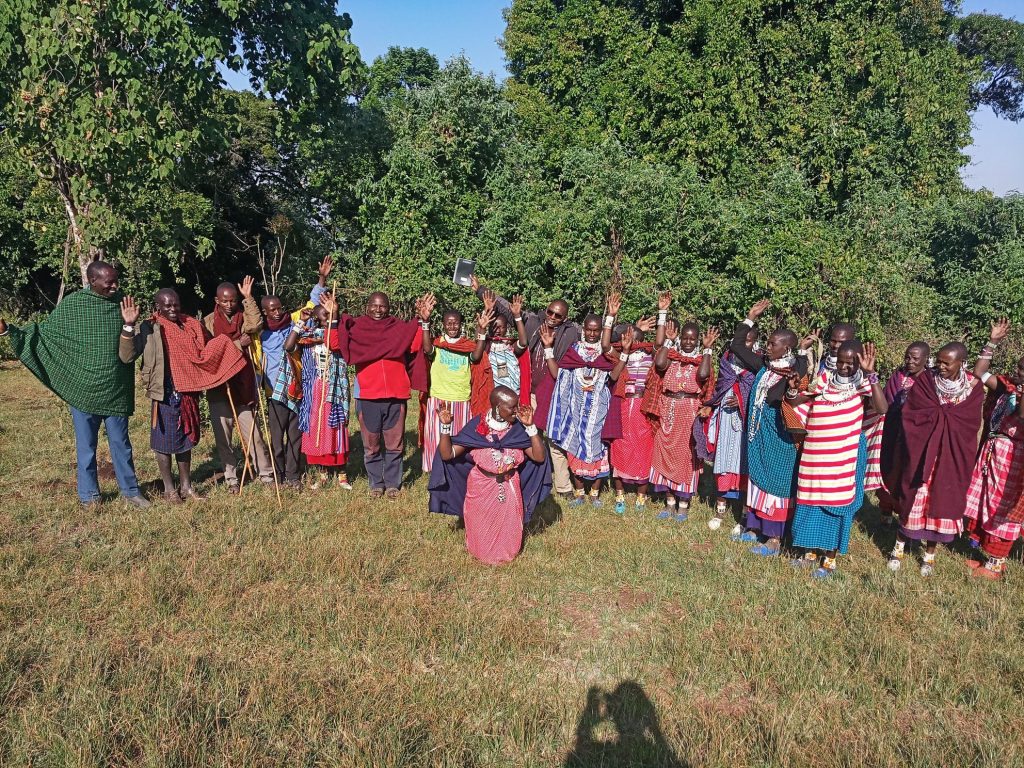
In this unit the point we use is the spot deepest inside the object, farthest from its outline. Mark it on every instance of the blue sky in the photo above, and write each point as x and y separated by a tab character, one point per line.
473	27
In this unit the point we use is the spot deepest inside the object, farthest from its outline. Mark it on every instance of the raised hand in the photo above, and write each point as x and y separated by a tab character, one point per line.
474	281
129	312
671	330
305	313
710	337
516	305
794	381
328	302
325	268
613	303
664	301
444	413
628	337
425	305
810	340
525	415
488	298
547	335
245	288
1000	328
483	320
867	358
758	309
647	324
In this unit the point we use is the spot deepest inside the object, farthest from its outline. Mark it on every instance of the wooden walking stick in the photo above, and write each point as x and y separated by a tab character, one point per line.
266	434
241	436
251	468
327	365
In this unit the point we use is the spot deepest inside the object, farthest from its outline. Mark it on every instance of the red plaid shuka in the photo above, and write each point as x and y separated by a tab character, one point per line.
197	364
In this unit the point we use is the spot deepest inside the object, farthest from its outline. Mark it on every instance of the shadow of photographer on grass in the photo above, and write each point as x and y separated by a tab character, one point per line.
620	728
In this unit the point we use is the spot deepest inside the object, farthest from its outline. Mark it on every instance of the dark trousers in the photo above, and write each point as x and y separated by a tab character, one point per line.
382	423
285	441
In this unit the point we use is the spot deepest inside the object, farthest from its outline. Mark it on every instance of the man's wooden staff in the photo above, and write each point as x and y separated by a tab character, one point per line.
254	466
241	436
266	434
327	364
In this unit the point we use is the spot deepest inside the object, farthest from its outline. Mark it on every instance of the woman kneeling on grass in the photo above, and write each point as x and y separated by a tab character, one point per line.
492	474
833	462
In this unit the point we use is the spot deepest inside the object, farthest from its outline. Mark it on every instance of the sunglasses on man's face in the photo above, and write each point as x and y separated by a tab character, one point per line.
554	314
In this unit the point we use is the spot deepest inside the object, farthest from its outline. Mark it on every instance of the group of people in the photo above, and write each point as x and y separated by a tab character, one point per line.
536	403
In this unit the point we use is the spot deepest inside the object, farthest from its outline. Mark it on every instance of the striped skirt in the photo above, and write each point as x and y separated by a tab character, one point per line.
873	428
915	523
324	445
432	427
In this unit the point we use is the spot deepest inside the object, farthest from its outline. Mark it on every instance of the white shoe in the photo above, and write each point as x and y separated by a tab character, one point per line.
715	523
737	530
894	564
927	569
345	486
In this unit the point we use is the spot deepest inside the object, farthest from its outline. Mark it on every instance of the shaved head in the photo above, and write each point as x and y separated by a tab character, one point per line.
226	289
956	349
98	268
502	393
165	292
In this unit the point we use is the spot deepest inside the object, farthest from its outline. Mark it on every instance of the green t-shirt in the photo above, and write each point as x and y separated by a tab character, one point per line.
450	375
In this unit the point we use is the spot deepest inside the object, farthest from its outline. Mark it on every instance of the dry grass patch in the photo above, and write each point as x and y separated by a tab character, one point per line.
342	630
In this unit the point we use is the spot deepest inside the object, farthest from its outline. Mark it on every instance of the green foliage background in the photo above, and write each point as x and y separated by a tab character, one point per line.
726	150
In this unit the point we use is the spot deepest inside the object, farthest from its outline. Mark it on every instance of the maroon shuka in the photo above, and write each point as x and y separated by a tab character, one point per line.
362	341
940	443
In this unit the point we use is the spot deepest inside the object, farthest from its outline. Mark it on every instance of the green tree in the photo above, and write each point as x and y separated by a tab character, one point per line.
111	102
849	92
997	44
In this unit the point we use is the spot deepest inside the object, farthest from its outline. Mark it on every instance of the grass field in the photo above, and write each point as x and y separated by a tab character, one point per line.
348	631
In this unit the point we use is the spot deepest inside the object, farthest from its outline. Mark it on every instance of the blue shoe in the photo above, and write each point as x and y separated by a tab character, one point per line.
681	517
822	573
595	501
746	537
620	507
763	550
578	501
803	562
665	514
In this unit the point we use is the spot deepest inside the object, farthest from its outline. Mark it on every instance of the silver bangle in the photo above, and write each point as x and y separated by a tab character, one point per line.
481	337
517	319
446	429
549	353
128	328
708	351
791	394
609	321
531	431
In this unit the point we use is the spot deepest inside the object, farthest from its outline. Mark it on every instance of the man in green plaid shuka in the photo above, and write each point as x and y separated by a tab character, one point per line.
82	354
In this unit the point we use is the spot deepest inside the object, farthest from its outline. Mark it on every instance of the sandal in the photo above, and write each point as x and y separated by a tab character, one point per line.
391	493
763	550
376	493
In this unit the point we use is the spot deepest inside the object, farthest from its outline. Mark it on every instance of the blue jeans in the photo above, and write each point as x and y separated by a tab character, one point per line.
87	431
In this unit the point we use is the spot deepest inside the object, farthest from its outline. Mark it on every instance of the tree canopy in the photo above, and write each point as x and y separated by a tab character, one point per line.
809	152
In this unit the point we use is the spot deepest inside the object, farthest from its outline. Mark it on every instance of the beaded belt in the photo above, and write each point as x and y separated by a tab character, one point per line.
680	395
498	477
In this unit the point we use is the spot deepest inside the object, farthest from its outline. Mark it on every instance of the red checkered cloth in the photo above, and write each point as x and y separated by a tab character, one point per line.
197	364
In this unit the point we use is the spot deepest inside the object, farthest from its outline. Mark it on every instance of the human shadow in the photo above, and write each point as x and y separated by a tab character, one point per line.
547	513
637	741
